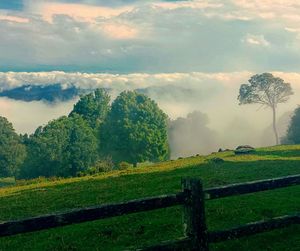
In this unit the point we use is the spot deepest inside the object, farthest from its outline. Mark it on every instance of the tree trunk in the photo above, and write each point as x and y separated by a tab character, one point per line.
274	125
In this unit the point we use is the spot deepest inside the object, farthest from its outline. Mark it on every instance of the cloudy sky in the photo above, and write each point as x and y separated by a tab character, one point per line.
126	36
208	47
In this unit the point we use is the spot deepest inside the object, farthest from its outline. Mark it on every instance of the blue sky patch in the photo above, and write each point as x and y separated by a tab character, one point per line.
11	4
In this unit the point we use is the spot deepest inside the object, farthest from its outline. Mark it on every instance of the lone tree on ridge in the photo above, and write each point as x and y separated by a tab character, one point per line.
267	90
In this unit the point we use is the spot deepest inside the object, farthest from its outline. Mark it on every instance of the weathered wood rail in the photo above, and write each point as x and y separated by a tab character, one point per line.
192	197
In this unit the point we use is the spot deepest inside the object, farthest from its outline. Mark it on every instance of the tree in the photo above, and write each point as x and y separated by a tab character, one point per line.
12	151
93	107
293	132
63	147
266	90
135	130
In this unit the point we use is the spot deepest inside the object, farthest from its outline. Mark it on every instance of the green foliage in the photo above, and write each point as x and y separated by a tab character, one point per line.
104	165
135	129
265	89
7	181
123	165
12	151
293	132
93	107
138	230
63	147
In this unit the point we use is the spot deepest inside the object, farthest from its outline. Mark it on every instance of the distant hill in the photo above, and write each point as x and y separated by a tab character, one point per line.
49	93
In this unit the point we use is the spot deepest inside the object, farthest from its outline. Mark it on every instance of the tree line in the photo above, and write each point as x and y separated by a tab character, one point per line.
131	129
99	135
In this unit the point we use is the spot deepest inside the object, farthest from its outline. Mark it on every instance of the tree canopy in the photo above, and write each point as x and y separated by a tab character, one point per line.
93	107
293	132
12	152
135	129
63	147
266	90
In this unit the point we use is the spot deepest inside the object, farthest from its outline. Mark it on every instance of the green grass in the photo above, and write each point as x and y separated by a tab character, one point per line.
4	182
142	229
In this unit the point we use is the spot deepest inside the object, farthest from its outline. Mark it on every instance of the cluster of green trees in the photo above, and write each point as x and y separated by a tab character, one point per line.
12	151
98	134
293	132
133	129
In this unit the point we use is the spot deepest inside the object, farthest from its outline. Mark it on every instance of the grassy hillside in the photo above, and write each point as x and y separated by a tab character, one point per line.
142	229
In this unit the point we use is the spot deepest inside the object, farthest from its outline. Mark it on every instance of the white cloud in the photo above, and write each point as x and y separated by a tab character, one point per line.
81	12
151	36
215	94
258	40
196	4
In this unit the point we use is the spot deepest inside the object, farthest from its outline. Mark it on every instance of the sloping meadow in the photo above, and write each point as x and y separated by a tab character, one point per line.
142	229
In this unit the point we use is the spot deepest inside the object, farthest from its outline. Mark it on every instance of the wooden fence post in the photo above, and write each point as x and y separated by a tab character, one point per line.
194	214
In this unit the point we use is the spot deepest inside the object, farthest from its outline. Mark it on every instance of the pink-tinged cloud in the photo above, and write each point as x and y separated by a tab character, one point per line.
198	4
14	19
119	31
77	11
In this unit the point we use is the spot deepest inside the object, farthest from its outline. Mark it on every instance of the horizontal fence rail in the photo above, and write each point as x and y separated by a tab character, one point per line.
192	197
251	187
89	214
254	228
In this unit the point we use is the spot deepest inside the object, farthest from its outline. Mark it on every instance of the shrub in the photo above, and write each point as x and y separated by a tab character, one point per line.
101	166
124	165
104	165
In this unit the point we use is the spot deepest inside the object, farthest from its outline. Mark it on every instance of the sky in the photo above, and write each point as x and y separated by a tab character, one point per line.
129	36
198	52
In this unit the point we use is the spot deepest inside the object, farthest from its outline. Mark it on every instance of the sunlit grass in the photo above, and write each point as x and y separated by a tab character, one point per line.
42	196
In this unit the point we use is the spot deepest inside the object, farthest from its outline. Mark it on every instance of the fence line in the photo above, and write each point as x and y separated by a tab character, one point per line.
254	227
252	187
192	197
89	214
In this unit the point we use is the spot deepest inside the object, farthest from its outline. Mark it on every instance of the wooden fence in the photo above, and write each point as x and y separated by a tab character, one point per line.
192	197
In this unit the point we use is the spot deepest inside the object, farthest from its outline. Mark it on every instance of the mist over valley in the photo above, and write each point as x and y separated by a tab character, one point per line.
202	107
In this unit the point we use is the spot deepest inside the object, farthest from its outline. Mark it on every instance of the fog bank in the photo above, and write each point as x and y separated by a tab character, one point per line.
221	122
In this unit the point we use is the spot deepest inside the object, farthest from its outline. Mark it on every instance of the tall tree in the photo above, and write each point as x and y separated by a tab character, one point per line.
136	129
93	107
266	90
12	152
293	132
63	147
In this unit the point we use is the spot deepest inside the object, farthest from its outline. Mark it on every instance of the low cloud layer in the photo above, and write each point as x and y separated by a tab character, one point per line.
178	94
205	48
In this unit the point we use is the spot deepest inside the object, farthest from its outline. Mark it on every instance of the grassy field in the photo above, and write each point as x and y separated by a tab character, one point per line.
142	229
4	182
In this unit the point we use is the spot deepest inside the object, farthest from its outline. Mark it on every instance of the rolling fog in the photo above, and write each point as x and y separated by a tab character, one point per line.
203	108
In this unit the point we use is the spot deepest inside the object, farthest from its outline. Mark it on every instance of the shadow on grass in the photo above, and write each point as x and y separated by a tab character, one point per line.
5	182
62	197
279	153
118	233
